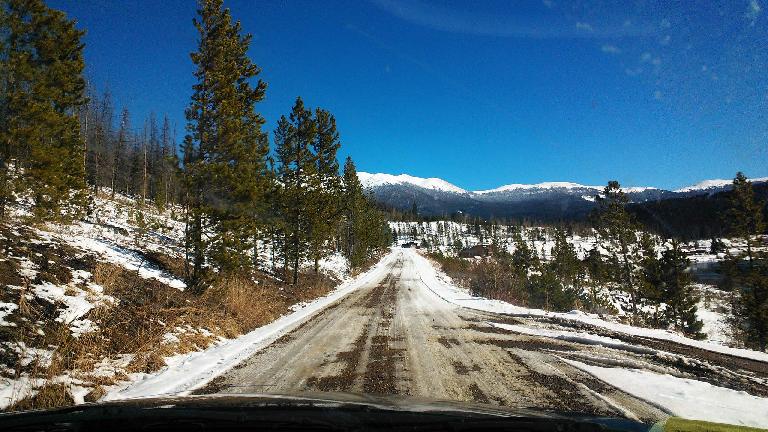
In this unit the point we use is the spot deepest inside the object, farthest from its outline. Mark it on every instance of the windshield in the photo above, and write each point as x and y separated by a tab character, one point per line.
547	205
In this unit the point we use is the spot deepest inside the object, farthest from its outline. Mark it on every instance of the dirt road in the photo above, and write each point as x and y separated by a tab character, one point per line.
395	336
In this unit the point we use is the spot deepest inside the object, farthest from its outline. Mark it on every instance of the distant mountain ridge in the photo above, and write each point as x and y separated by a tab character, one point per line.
544	201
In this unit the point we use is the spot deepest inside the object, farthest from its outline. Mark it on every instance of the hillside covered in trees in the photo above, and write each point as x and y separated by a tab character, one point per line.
63	144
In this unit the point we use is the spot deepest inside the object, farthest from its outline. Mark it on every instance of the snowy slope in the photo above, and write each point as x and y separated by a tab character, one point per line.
707	185
545	185
443	286
369	180
81	277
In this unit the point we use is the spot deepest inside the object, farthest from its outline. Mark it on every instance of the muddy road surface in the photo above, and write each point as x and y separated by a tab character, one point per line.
395	336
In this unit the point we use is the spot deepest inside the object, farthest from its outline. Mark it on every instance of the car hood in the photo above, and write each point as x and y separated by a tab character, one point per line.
401	407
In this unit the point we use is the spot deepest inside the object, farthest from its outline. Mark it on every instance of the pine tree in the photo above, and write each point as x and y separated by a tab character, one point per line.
617	231
164	166
43	150
136	163
352	202
745	215
326	186
364	230
749	270
524	258
225	149
564	262
595	268
7	149
97	161
651	280
678	292
119	175
296	168
559	282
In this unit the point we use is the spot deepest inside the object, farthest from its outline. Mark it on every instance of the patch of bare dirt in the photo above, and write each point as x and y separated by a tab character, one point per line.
477	394
528	344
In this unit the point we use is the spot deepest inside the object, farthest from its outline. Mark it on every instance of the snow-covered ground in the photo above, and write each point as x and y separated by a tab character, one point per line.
449	237
683	397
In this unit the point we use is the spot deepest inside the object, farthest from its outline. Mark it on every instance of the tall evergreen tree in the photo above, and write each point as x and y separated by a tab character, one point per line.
651	278
98	164
353	203
364	230
6	86
618	233
745	215
524	258
326	186
678	292
166	163
43	92
296	169
119	175
225	148
560	280
749	270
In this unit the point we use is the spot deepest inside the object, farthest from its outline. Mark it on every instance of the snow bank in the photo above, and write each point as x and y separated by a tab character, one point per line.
187	372
440	284
15	389
684	397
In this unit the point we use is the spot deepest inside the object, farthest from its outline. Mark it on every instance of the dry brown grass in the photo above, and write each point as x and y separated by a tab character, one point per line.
146	362
249	305
50	395
104	274
167	263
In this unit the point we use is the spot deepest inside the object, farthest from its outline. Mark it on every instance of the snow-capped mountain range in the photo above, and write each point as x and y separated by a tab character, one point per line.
435	196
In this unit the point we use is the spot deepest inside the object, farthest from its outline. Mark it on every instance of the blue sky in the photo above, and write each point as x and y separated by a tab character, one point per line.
479	93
